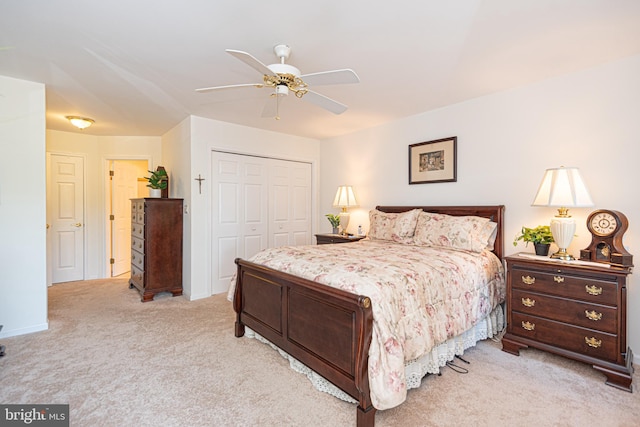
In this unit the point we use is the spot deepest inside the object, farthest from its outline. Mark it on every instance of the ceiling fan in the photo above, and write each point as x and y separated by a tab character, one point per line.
285	78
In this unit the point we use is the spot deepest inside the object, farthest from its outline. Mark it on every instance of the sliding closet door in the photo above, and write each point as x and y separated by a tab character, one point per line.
258	202
239	212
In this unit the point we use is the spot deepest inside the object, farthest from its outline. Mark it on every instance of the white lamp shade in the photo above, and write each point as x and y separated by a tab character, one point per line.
562	187
345	197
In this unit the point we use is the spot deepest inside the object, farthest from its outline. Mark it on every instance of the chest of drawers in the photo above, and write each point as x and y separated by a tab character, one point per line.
156	246
574	310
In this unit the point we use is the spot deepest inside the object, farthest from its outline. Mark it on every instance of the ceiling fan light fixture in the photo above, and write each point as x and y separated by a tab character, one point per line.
282	90
80	122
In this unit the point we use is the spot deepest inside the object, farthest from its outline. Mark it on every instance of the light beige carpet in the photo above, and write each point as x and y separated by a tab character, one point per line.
171	362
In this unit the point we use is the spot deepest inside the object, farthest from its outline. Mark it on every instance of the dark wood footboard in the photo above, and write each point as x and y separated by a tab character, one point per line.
327	329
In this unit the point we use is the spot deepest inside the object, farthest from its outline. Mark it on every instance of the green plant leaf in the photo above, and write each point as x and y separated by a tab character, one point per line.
540	234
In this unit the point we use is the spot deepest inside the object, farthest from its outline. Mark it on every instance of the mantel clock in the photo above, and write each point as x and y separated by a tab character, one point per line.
607	228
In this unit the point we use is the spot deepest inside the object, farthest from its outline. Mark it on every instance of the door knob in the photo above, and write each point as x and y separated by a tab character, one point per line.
77	224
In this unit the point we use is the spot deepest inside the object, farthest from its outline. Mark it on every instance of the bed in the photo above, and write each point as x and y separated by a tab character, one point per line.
330	330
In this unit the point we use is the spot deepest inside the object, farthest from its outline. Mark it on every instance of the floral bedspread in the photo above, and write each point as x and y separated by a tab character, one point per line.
421	296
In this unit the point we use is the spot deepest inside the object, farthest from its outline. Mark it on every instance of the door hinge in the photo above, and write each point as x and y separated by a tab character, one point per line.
111	217
112	261
110	173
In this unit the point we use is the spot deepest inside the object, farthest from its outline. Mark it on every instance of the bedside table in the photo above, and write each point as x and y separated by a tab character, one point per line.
325	239
575	309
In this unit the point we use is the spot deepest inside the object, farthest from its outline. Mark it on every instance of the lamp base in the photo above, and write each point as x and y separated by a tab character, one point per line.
344	222
562	228
563	255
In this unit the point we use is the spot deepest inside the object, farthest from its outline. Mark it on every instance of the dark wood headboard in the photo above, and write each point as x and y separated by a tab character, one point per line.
494	213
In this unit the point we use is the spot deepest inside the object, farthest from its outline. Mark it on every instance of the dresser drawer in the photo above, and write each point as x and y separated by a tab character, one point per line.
573	338
137	276
137	217
137	260
566	285
137	206
137	244
577	313
137	230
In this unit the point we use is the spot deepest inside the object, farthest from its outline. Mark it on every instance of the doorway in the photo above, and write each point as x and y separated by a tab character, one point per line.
126	182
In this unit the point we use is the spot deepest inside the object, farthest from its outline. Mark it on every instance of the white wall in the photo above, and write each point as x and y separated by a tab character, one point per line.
206	135
97	151
23	287
587	119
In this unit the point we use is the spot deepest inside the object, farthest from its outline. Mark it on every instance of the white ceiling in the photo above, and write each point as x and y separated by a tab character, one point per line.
133	65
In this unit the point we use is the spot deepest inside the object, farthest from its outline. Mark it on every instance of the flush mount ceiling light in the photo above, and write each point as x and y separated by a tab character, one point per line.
80	122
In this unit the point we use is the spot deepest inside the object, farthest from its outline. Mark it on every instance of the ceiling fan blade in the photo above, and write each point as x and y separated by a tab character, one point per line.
208	89
335	77
251	61
327	103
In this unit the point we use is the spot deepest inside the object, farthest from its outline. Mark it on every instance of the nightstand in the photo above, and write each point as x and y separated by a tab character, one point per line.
576	309
325	239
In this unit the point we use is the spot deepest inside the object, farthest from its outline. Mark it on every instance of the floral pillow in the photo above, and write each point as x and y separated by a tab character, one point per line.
470	233
397	227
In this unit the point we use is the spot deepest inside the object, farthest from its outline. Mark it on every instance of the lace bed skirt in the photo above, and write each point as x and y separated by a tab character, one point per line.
416	369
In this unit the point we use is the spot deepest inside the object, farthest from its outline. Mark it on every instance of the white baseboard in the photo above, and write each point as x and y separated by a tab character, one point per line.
6	333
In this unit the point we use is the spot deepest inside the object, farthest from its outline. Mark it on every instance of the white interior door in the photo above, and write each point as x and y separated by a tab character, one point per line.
239	213
65	206
124	187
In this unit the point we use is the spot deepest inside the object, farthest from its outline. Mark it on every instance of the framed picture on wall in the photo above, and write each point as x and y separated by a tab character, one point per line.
433	161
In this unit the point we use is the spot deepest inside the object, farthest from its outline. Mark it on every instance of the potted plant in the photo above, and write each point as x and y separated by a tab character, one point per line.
540	236
335	222
158	181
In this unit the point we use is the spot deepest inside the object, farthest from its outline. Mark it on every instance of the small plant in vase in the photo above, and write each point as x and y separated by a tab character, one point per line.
158	181
540	236
335	222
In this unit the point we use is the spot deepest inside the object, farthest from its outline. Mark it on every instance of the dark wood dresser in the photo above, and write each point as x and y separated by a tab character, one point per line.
326	239
156	246
577	310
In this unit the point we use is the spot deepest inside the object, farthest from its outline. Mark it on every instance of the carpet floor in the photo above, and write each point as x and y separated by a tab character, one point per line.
172	362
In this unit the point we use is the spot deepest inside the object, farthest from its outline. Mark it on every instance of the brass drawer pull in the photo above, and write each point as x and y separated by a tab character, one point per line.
592	342
593	290
558	279
593	315
528	325
527	302
528	280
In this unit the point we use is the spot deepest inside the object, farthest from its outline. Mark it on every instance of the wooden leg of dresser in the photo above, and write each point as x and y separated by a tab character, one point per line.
616	379
147	296
619	377
512	347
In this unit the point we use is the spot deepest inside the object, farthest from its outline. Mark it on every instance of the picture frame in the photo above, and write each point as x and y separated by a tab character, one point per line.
433	161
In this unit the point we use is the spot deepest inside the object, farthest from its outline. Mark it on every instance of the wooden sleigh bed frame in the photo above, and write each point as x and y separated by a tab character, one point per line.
327	329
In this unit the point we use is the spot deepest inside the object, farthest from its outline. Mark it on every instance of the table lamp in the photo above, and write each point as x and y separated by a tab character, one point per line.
344	199
562	188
